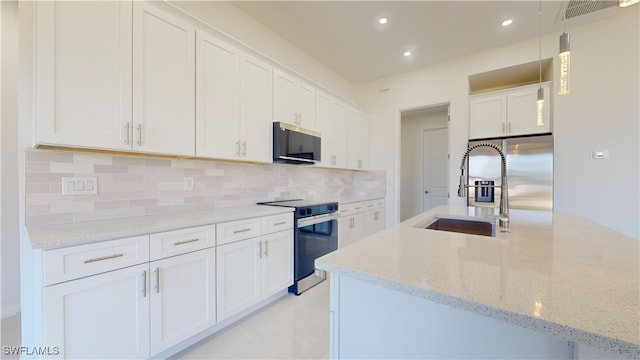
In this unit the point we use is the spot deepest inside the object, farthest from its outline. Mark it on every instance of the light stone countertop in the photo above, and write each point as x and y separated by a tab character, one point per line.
56	236
556	273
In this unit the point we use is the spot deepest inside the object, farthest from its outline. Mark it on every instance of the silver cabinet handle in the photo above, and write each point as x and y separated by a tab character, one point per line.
139	129
279	223
103	258
504	128
238	147
185	241
266	248
244	148
128	131
241	231
144	284
509	126
157	280
260	250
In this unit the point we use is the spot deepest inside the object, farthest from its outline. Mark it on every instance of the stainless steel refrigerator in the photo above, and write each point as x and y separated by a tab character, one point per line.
529	172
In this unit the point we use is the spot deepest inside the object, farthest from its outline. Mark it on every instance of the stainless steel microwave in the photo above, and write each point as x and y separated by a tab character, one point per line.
294	145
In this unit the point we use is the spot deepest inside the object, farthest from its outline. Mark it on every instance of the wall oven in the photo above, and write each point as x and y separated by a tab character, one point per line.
315	234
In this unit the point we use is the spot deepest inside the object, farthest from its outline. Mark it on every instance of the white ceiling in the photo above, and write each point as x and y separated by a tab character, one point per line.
345	35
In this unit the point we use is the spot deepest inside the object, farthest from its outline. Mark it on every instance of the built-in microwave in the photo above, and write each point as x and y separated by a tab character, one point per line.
295	145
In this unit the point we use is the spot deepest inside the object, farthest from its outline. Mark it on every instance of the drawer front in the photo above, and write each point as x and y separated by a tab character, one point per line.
237	230
351	208
79	261
182	241
275	223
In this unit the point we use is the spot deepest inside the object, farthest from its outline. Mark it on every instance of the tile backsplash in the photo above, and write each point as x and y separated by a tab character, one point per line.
130	185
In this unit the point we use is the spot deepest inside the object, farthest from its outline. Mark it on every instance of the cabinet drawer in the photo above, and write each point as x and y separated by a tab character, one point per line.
275	223
79	261
237	230
182	241
351	208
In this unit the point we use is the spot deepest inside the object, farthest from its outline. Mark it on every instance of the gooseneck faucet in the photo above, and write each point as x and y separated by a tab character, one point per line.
504	196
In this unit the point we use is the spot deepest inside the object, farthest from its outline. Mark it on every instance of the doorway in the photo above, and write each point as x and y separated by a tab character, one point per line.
424	159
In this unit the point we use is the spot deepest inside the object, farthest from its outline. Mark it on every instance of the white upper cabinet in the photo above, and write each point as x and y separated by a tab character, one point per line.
84	74
217	98
256	130
331	119
115	75
163	82
522	111
508	112
358	140
293	101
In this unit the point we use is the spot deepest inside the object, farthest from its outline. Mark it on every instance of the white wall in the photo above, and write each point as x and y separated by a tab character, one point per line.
238	25
600	113
10	234
412	159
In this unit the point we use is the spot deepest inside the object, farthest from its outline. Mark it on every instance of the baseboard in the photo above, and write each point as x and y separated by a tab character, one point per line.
9	311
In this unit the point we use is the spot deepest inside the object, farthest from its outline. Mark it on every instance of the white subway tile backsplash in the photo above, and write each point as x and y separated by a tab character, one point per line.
137	185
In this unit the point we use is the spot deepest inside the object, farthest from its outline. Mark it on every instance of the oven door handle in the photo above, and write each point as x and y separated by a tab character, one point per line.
317	219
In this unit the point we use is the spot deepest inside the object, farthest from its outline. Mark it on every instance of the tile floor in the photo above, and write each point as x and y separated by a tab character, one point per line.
293	327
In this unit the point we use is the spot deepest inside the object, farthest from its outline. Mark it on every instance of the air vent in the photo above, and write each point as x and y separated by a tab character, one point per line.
574	8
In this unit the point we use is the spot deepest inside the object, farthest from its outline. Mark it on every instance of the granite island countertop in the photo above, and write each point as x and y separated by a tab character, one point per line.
555	273
63	235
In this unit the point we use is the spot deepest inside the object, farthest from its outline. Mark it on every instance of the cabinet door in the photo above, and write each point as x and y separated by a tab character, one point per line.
324	121
372	222
284	88
339	134
305	102
238	276
277	262
163	82
344	230
358	140
103	316
255	110
217	98
331	121
182	297
488	116
522	111
84	76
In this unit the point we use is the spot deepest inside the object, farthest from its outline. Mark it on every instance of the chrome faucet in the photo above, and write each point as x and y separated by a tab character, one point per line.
504	196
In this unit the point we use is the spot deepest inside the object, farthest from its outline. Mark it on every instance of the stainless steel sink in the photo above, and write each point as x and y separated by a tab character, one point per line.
461	224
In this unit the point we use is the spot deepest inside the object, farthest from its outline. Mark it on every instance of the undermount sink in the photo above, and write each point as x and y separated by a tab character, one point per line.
461	224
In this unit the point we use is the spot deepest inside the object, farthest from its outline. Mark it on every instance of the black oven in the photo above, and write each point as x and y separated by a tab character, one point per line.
315	234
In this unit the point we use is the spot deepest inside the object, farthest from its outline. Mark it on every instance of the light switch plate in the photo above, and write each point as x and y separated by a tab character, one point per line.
74	185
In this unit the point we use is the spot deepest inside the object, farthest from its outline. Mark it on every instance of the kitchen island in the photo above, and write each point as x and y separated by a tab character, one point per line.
554	286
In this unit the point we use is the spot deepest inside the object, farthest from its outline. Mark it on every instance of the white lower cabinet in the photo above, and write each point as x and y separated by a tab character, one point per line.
102	316
359	220
182	295
349	230
373	217
143	296
251	270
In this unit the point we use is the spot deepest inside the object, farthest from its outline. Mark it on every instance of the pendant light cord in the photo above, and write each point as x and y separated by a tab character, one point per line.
540	41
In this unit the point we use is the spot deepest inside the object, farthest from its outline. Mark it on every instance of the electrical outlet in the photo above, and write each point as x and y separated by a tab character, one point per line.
188	183
74	185
599	154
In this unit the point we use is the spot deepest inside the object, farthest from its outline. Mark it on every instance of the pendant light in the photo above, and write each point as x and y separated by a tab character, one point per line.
540	101
565	60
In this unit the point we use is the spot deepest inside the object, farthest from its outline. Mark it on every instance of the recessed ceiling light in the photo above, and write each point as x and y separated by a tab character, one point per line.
383	20
407	53
507	22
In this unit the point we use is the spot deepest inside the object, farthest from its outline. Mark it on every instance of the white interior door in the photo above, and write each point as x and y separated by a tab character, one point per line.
435	168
